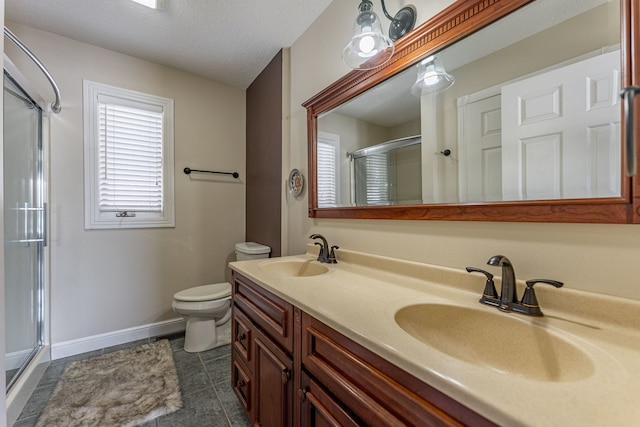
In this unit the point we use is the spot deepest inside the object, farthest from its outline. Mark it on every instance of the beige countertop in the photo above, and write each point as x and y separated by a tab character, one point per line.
361	295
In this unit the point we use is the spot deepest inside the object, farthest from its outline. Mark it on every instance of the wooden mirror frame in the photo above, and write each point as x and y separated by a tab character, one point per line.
459	20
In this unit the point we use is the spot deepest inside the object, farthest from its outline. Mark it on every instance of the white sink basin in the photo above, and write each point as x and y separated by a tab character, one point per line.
294	268
495	340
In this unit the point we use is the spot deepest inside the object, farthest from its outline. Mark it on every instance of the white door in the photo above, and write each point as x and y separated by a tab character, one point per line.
561	132
481	150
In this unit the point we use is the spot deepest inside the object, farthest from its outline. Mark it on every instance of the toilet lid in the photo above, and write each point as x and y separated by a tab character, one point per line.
204	293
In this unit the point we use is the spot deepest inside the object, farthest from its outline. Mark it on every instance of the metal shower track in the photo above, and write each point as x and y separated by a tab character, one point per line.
55	106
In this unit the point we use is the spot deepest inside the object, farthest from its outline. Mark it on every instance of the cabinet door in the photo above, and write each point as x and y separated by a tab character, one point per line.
273	384
319	409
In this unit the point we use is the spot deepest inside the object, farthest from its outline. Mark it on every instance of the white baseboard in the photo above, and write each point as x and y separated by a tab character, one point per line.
97	342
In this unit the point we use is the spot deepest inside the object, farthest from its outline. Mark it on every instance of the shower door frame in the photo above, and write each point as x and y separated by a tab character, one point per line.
30	375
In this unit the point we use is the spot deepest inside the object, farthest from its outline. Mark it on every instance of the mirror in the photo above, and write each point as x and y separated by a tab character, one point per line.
533	119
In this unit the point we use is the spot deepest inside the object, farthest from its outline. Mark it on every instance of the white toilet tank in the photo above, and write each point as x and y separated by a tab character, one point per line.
251	250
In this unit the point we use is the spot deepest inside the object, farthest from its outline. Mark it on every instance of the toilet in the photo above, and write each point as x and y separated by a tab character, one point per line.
207	309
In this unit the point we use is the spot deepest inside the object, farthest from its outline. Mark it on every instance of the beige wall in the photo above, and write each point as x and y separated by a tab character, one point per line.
596	258
103	280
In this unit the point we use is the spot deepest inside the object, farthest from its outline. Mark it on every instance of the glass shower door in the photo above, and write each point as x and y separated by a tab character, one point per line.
24	219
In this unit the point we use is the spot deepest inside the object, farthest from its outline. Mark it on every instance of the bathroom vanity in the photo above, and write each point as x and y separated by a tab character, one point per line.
289	368
379	341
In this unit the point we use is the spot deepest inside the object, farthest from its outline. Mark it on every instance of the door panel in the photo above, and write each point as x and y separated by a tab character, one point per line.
482	139
563	130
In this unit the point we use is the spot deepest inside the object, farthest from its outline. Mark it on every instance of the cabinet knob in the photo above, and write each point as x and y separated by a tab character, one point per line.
241	336
302	395
286	376
241	383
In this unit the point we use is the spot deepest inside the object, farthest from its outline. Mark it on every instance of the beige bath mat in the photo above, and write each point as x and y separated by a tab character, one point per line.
123	388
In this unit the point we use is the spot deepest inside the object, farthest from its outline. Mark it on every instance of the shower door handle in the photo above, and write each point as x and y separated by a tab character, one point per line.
45	227
27	230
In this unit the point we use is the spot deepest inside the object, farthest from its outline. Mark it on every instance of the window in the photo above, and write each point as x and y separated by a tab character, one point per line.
328	173
128	149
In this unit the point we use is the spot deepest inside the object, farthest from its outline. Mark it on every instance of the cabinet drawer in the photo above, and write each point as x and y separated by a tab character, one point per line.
376	391
241	384
241	335
271	313
319	409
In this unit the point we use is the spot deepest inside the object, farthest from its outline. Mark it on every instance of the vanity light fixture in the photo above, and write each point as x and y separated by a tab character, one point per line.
432	77
369	47
153	4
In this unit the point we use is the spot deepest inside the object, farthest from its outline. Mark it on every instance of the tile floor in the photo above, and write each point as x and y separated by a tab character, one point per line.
205	381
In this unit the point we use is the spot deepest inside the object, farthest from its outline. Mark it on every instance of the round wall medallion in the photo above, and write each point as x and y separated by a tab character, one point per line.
296	182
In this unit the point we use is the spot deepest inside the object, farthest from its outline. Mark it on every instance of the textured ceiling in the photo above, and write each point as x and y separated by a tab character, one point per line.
230	41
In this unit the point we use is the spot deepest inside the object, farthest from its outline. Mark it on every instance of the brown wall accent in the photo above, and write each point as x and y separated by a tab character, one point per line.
264	157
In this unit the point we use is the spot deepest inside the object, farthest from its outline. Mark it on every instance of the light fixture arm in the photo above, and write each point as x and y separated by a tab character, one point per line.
389	17
402	22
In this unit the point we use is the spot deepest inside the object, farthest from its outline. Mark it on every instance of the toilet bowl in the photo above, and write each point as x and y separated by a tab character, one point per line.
207	310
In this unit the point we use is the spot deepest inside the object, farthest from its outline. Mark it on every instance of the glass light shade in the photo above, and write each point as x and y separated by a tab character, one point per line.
369	47
432	77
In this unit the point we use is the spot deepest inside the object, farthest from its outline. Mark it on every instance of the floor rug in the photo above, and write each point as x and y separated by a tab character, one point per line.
124	388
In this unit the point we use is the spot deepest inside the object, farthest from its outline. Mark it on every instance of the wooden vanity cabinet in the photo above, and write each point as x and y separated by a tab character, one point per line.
262	346
290	369
376	392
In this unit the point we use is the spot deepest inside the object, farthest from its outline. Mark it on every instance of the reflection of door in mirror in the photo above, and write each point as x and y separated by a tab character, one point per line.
561	132
546	130
480	147
551	136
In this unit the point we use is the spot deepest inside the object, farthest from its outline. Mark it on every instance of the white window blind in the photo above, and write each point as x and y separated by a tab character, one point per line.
130	164
377	166
372	179
128	146
326	174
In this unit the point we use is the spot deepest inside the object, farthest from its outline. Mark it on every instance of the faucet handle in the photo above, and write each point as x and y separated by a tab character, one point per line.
332	255
489	293
529	299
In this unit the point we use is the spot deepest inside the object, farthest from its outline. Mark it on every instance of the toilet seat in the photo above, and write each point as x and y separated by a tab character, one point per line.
204	293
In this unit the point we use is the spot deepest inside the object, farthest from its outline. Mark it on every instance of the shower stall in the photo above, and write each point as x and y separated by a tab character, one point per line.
24	217
27	352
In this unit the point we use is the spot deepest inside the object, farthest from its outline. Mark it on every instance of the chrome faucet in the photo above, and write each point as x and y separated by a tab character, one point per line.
508	294
508	299
325	256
